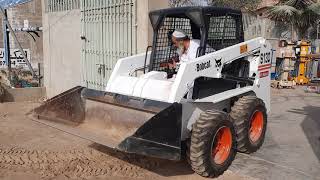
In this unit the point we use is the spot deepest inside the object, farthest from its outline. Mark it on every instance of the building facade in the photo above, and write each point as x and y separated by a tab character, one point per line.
25	15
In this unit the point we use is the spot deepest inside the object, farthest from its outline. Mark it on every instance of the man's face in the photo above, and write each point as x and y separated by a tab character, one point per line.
179	44
176	43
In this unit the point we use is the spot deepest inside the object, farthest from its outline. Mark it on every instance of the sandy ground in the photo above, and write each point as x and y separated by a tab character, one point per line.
29	150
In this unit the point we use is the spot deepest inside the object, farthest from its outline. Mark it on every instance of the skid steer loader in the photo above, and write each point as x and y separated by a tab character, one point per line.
215	104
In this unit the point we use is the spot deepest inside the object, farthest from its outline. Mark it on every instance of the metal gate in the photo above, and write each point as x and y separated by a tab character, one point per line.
108	34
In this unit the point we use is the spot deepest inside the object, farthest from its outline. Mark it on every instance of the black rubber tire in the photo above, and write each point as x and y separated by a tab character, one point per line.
241	114
203	135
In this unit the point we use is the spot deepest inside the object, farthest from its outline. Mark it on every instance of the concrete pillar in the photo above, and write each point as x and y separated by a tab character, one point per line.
62	50
144	29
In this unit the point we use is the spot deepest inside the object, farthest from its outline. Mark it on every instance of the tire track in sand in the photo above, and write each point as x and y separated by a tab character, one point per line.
75	163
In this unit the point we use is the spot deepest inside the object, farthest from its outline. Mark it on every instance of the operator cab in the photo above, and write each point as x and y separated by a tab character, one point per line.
216	28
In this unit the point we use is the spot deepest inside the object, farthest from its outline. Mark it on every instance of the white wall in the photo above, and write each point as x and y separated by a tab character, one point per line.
144	29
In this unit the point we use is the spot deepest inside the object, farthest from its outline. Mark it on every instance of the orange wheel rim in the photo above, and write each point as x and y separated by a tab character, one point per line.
221	145
256	126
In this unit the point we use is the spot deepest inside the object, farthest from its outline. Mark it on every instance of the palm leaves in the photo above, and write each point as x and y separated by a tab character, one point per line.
315	8
283	12
300	14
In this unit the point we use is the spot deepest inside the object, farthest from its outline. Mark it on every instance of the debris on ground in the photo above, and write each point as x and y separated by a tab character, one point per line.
20	78
312	89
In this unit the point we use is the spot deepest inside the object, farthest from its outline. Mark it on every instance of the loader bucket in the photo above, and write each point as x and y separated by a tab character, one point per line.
128	124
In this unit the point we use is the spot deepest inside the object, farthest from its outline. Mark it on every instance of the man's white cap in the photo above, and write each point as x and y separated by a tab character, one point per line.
179	34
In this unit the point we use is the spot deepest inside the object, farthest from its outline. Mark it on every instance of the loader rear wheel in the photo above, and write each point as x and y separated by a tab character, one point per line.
250	122
213	144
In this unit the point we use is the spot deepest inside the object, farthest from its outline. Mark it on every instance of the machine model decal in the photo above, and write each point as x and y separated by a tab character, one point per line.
204	65
264	67
243	48
265	58
264	74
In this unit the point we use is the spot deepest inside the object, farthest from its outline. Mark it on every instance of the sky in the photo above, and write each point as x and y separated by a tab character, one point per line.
11	3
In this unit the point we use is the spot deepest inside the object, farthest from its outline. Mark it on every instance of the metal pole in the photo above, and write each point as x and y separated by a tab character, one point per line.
6	45
318	29
19	45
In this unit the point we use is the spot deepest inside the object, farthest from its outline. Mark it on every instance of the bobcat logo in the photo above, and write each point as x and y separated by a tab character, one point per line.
218	63
202	66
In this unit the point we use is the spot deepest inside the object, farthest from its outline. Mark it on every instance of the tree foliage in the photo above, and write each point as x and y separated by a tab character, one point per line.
301	15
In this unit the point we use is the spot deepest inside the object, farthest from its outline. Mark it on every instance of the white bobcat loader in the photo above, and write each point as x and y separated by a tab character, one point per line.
209	107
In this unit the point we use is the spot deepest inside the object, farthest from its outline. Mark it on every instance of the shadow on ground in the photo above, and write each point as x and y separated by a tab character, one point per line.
311	126
161	167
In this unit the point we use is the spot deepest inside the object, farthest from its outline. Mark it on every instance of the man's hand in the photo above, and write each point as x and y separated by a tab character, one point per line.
172	65
173	62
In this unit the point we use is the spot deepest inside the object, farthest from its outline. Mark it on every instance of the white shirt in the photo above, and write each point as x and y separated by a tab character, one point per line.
191	52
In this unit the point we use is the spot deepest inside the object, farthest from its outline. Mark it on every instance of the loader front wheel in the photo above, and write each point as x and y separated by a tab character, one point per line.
249	117
213	144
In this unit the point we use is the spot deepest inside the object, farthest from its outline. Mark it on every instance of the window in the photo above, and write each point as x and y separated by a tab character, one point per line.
164	50
223	32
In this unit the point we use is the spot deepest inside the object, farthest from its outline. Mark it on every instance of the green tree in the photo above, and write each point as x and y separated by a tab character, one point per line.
299	15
